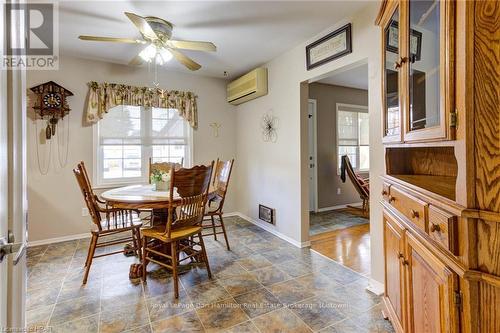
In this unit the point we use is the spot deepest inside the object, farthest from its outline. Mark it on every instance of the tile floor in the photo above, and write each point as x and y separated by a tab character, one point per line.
334	220
263	285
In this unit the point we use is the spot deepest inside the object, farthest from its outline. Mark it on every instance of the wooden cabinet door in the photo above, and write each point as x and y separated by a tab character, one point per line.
394	297
428	70
431	288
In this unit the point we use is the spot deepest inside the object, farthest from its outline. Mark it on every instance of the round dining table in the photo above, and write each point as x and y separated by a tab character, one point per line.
138	197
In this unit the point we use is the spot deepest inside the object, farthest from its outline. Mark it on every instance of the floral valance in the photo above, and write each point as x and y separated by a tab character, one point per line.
104	96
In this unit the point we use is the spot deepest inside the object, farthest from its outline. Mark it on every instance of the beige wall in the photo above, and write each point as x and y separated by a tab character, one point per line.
55	201
327	96
275	174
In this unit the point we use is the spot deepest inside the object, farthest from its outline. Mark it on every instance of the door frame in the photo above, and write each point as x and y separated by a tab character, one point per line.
13	171
315	151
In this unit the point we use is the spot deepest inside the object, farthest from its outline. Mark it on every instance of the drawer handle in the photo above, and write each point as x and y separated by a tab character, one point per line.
384	192
435	227
414	214
391	199
400	255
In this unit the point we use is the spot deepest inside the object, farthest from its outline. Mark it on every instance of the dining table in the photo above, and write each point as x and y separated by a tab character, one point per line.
138	197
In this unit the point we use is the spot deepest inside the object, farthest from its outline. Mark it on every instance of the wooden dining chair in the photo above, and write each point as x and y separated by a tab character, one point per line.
162	244
163	166
216	200
160	214
107	222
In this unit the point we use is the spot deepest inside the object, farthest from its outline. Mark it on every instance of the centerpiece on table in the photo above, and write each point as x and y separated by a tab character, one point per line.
160	180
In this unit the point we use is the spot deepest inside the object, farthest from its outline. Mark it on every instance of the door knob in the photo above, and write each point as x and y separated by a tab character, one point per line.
7	247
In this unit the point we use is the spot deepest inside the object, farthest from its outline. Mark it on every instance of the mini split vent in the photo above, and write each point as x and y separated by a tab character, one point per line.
248	87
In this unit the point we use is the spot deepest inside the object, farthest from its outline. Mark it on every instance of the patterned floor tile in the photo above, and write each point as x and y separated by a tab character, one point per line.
258	302
261	270
290	292
84	325
184	323
240	284
317	312
221	315
246	327
74	309
270	275
282	320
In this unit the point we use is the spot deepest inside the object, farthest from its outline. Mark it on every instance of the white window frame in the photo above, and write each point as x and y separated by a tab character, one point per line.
100	183
362	109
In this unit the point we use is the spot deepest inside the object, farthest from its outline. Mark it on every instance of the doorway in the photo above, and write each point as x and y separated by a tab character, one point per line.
338	125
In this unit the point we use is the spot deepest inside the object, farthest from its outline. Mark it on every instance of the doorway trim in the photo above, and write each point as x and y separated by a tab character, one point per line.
315	151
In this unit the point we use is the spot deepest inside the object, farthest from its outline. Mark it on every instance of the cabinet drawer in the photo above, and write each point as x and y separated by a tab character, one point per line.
443	228
414	209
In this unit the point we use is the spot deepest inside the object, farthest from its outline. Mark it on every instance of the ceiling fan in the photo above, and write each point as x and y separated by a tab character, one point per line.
156	34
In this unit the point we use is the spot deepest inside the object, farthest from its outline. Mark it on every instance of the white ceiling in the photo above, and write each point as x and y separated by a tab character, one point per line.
356	77
247	34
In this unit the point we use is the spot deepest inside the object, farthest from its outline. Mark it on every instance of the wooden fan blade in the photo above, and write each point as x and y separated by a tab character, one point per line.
192	45
143	25
185	60
112	39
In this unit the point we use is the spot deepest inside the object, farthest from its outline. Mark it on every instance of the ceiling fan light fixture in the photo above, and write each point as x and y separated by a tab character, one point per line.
164	56
149	53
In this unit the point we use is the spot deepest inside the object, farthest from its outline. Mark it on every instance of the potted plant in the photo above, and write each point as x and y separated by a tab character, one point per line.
160	180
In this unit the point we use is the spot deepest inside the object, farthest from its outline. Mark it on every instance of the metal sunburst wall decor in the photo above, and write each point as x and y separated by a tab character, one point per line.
269	125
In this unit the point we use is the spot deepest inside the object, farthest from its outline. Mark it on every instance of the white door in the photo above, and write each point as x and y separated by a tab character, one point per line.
313	179
13	204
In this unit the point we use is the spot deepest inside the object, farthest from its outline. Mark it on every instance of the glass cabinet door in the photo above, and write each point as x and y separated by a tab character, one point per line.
427	49
391	76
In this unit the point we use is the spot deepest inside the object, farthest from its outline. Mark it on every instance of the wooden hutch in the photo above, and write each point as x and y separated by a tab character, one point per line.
441	194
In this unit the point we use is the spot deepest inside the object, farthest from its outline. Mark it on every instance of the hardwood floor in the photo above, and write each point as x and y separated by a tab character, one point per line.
349	247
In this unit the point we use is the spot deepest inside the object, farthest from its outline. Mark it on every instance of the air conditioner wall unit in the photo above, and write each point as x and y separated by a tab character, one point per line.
248	87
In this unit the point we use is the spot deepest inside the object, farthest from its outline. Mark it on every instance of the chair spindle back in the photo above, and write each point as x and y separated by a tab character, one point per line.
192	186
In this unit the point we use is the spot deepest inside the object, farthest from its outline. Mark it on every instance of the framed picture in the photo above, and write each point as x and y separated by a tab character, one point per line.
392	41
334	45
266	214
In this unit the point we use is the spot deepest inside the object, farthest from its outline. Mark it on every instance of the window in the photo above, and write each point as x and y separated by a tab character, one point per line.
129	135
353	135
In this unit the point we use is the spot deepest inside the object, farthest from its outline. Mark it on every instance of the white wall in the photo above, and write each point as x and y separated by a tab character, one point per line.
275	174
55	201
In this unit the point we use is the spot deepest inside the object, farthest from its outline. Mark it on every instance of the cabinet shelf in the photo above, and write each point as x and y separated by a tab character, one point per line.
441	185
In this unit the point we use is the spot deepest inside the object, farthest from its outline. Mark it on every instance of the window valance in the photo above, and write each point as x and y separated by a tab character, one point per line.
104	96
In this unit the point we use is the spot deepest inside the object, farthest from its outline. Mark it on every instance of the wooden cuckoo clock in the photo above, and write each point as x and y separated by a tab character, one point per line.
51	104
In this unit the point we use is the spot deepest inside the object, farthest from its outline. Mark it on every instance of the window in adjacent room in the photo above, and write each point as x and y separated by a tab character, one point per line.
128	136
353	135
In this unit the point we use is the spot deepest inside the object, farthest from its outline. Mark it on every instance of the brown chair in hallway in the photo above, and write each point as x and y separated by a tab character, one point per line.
109	223
162	244
362	185
216	200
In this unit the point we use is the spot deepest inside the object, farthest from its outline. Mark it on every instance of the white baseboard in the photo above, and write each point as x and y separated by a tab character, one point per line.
326	209
262	225
375	287
271	229
58	239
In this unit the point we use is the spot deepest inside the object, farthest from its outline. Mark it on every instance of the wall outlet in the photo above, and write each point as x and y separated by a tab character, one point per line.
339	191
85	212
